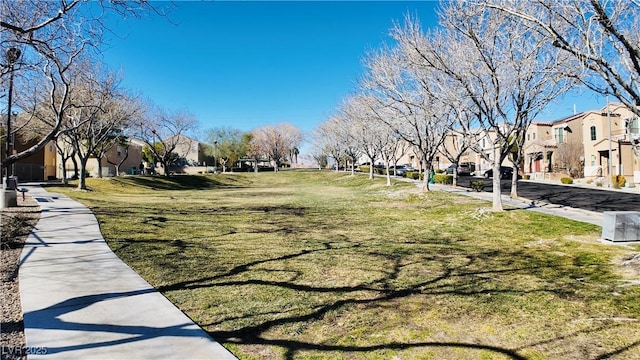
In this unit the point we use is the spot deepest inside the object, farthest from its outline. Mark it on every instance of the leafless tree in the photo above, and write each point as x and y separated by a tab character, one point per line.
366	131
503	71
51	37
600	37
569	156
329	138
276	142
408	90
120	111
165	134
97	113
67	152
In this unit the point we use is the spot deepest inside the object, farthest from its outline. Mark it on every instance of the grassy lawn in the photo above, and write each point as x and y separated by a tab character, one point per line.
309	265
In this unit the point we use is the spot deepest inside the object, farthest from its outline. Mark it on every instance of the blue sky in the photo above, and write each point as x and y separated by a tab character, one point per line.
247	64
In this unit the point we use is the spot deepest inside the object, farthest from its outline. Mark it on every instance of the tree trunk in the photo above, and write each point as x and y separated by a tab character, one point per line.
99	167
427	174
514	183
497	196
65	180
76	173
82	181
388	174
370	168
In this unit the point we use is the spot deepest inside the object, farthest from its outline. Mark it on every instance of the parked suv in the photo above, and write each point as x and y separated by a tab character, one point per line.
464	168
506	172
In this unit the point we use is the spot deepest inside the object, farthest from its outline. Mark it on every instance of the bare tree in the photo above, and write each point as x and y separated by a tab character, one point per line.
122	141
51	37
367	133
569	156
329	139
502	70
97	114
276	142
165	135
600	37
67	152
408	90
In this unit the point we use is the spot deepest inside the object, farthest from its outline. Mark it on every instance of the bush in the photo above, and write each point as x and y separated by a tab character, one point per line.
618	181
439	171
566	180
443	179
414	175
364	168
527	177
477	185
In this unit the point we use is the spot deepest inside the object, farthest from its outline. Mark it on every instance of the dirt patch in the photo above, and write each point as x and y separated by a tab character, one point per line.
15	224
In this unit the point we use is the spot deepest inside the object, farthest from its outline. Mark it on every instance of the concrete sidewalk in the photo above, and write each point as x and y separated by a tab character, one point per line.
586	216
80	301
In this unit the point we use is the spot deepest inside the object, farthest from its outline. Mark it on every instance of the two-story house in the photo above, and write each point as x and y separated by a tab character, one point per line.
590	144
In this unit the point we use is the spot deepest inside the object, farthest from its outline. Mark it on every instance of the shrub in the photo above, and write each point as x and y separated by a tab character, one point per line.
618	181
589	181
443	179
364	168
414	175
439	171
477	185
566	180
527	177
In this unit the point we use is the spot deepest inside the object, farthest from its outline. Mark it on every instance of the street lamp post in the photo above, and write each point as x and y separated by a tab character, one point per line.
215	157
9	198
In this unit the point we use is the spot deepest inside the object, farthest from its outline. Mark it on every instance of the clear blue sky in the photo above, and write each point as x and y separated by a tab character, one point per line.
246	64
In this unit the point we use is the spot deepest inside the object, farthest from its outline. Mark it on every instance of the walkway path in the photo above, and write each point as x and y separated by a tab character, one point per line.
80	301
591	217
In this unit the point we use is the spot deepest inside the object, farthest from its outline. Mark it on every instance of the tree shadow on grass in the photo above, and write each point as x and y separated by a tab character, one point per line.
183	182
474	277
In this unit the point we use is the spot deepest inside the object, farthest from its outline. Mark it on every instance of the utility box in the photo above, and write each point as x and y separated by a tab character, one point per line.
621	226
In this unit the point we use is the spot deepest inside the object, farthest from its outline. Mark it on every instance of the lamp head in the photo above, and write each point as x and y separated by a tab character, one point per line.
13	54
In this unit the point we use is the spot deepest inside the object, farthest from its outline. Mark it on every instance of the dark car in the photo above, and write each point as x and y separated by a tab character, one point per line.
464	168
506	172
398	170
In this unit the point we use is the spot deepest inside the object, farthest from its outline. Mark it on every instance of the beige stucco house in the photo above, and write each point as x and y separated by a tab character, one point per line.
592	144
127	156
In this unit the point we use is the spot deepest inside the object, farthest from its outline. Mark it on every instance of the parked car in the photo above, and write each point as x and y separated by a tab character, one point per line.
464	168
506	172
398	170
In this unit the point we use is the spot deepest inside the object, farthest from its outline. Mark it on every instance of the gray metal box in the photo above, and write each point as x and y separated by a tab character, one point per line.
621	225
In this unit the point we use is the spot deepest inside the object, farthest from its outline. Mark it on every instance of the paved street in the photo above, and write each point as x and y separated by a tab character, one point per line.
586	198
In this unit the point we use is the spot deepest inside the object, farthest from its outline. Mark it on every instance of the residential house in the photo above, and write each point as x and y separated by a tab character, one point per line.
40	166
125	157
582	145
194	156
607	145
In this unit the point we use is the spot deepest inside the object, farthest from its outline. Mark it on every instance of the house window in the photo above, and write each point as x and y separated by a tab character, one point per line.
528	137
534	136
593	133
632	126
558	134
119	151
483	143
593	160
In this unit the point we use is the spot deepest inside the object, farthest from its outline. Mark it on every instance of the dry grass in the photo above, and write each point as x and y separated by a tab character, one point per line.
308	264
